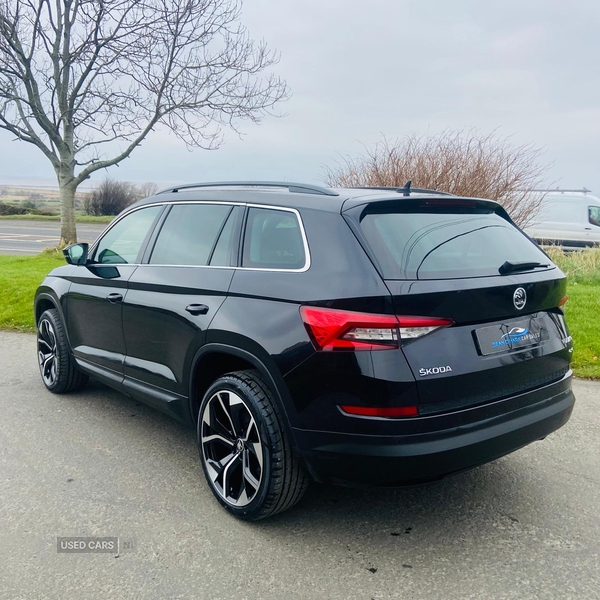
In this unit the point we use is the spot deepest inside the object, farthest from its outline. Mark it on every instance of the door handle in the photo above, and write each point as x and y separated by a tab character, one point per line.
114	298
197	309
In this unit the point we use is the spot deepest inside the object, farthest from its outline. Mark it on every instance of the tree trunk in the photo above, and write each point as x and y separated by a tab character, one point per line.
68	232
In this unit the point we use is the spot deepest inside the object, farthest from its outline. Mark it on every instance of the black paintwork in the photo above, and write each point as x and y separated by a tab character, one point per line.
131	326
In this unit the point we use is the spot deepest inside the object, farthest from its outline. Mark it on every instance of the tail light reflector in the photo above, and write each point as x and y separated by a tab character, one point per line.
563	301
380	411
332	329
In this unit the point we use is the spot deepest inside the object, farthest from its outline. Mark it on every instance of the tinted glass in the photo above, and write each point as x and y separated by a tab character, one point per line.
221	255
189	233
273	240
444	245
124	240
594	215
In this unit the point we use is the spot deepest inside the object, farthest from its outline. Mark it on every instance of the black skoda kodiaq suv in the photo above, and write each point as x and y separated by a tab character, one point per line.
352	336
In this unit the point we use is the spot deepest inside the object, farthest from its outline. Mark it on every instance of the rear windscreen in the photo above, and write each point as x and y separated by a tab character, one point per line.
443	245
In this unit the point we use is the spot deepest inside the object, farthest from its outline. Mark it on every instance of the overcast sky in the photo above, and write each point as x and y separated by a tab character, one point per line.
360	69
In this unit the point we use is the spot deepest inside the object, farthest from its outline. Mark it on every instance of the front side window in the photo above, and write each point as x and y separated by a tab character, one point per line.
123	242
273	240
189	234
594	215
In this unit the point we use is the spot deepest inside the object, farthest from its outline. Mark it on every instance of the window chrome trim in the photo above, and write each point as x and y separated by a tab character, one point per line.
307	257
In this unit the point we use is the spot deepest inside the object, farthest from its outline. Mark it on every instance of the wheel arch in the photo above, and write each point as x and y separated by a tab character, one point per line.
215	359
45	301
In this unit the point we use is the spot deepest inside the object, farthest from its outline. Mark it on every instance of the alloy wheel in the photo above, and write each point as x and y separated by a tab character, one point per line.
47	352
231	448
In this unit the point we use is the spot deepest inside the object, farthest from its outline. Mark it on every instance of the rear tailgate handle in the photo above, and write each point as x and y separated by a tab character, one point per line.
197	309
114	298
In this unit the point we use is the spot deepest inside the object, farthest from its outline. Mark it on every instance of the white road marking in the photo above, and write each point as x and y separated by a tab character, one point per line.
15	241
14	236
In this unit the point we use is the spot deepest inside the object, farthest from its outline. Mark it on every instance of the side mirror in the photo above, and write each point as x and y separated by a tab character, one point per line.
76	254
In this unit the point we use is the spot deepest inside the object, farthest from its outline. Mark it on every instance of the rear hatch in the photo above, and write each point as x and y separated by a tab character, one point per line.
463	260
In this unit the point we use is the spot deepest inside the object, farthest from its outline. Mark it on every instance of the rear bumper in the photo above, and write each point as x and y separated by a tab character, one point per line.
437	445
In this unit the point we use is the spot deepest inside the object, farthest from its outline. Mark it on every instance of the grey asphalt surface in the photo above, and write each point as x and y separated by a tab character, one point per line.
31	237
98	463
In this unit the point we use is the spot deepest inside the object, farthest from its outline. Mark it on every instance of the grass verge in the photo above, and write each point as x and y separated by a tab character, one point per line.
20	276
583	308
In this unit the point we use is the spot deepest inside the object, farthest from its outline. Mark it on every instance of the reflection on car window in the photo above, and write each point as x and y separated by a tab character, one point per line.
432	245
189	234
594	215
273	240
122	243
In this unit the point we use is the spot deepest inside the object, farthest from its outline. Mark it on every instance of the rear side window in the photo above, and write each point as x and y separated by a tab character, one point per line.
123	241
594	215
273	240
189	234
443	245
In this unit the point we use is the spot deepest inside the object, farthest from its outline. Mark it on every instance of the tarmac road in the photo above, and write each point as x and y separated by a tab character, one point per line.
97	463
31	237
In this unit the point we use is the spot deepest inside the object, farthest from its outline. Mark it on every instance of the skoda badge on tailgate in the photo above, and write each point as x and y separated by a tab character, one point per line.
520	298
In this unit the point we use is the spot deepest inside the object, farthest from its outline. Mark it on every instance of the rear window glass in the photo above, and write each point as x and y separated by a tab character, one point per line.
273	240
442	245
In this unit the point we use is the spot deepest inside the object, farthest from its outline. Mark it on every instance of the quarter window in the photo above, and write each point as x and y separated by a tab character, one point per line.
273	240
123	242
189	234
594	215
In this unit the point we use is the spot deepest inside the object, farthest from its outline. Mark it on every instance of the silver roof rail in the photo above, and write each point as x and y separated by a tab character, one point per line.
301	188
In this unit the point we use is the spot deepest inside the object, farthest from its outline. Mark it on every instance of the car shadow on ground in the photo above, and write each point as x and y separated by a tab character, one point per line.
495	496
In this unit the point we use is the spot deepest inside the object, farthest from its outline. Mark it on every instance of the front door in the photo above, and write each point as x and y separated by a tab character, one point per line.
98	289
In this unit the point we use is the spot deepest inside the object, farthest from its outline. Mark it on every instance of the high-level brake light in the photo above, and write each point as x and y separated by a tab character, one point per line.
332	329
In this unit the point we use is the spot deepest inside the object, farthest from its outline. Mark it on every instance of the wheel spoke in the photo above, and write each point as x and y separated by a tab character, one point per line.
256	450
217	437
251	429
248	476
226	472
227	414
41	340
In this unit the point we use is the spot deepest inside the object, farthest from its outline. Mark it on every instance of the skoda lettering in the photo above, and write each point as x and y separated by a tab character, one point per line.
434	371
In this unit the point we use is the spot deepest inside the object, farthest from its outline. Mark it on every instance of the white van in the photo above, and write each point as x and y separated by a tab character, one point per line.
567	217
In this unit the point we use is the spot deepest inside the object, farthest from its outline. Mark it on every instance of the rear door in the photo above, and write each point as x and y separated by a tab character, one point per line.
175	294
464	261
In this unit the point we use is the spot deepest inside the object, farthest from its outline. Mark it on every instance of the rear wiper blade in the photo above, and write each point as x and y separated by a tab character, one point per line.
511	266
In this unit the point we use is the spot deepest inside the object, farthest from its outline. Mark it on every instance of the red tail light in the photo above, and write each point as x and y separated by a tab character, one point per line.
563	300
375	411
331	329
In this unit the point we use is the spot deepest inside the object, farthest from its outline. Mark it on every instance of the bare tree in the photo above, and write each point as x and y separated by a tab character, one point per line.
147	189
111	197
465	163
85	81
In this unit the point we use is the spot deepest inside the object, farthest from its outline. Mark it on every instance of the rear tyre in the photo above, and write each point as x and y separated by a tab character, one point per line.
57	366
245	453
